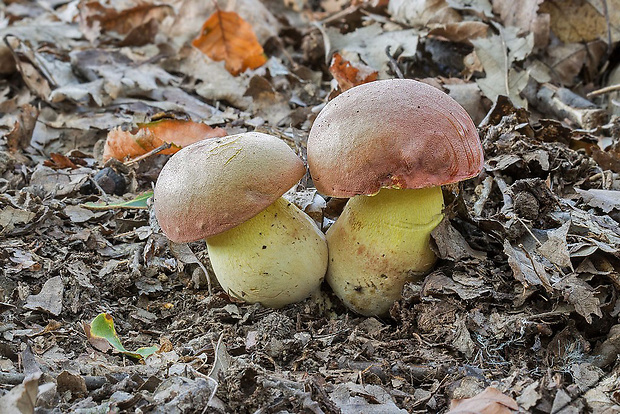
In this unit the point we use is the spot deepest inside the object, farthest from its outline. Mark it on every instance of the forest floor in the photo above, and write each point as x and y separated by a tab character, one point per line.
524	301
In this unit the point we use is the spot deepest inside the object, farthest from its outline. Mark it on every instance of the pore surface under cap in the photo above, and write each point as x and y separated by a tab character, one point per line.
392	133
216	184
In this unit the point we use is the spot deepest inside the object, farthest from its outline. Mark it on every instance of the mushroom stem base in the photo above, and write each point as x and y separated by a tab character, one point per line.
276	258
381	242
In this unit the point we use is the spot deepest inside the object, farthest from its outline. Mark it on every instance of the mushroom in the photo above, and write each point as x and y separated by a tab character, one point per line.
229	191
390	145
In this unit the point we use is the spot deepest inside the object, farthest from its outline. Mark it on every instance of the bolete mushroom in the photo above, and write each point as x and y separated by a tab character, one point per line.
229	191
389	145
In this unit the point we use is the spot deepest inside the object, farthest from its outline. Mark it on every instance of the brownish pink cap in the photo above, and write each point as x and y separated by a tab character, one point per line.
216	184
392	133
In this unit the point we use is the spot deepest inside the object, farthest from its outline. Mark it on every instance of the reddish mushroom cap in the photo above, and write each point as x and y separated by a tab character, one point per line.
392	133
216	184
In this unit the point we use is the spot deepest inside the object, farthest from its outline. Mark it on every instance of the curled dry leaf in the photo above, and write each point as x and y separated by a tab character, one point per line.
490	401
129	144
226	36
349	74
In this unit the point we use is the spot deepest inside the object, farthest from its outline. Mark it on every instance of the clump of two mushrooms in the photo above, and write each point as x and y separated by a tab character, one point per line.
388	145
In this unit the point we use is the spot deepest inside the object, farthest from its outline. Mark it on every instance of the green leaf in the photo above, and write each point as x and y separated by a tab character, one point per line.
137	203
102	328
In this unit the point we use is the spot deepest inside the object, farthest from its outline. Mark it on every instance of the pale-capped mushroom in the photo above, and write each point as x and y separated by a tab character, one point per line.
228	191
390	145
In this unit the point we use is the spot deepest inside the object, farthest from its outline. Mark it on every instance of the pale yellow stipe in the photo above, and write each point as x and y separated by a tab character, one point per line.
381	242
276	258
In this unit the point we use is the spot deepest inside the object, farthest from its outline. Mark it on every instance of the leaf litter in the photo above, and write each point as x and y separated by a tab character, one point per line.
520	313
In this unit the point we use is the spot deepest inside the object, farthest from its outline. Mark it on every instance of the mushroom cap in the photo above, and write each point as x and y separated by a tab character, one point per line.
396	133
213	185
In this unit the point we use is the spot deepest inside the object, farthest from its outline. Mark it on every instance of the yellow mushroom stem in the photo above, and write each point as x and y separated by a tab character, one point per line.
381	242
276	258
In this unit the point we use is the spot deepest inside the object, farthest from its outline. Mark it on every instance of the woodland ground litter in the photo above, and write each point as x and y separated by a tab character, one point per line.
524	298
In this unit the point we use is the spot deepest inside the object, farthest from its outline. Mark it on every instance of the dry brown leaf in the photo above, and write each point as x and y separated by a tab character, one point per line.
422	12
18	138
609	159
524	15
490	401
129	144
59	161
462	32
135	20
575	21
226	36
348	74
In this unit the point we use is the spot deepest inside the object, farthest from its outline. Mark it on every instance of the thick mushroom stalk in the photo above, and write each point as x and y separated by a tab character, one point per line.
390	145
381	242
277	257
229	192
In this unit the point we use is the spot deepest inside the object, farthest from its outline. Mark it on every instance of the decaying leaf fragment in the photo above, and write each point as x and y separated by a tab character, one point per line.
129	144
22	398
349	74
490	401
226	36
370	43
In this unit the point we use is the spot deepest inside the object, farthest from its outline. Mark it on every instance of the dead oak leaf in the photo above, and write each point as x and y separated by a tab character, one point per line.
497	53
226	36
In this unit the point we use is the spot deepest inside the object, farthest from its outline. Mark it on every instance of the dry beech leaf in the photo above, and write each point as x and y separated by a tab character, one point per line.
129	144
226	36
489	401
349	74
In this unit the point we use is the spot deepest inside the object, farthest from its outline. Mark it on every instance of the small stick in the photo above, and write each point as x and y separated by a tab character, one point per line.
393	63
157	150
10	378
607	89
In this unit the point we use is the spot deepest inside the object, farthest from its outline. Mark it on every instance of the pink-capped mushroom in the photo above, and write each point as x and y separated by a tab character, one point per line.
389	145
228	191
